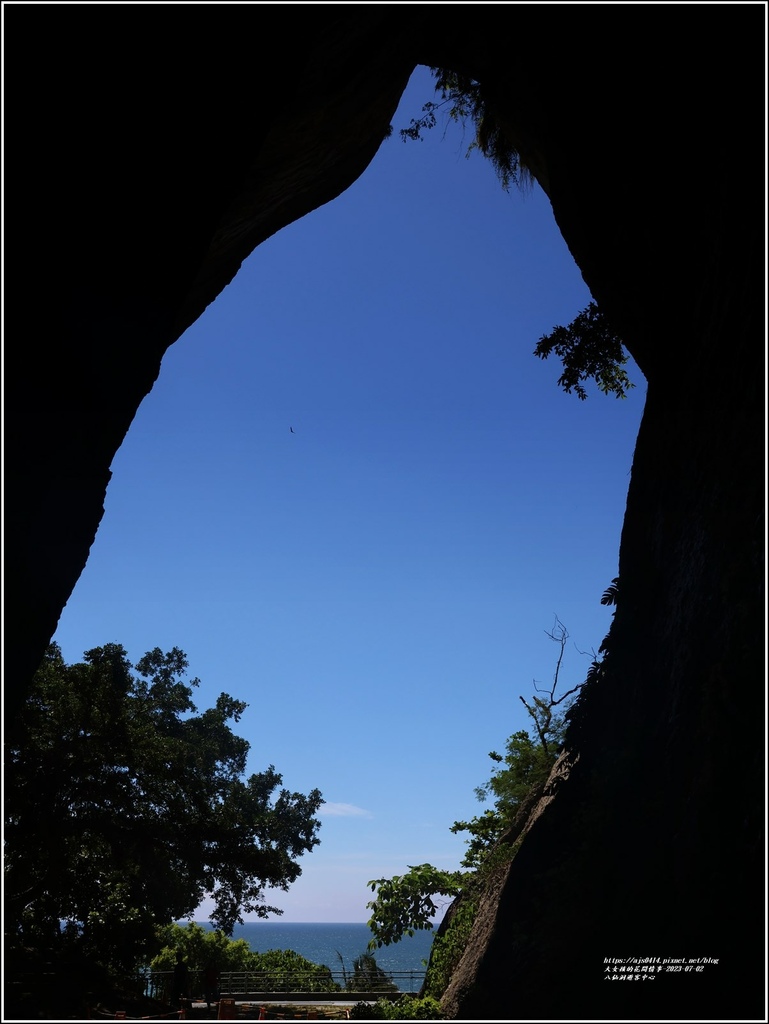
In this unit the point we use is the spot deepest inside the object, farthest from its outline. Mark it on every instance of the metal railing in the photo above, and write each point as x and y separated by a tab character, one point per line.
259	984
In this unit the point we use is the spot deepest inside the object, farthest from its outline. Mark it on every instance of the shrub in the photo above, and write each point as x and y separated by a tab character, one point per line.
412	1008
363	1011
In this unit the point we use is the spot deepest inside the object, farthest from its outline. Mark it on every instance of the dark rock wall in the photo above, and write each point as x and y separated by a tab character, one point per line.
141	175
156	165
654	845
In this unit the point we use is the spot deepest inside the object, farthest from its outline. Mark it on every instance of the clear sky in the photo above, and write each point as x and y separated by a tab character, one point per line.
378	583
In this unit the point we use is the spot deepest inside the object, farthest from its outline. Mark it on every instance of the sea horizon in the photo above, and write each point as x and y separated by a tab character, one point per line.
334	944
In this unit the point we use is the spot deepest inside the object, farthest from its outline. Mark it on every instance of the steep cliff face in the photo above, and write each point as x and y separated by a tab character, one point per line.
133	222
152	170
653	847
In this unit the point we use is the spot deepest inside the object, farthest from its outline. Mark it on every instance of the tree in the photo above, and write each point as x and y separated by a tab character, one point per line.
294	971
549	726
367	975
125	807
527	762
405	903
200	947
524	765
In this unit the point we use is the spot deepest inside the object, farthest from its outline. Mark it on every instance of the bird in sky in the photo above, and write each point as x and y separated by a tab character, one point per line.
292	430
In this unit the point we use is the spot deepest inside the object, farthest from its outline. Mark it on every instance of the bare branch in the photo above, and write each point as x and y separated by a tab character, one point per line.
541	728
542	712
539	689
568	694
588	654
559	634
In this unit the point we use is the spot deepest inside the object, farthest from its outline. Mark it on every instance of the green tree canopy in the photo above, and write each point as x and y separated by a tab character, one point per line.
524	765
125	807
405	904
200	947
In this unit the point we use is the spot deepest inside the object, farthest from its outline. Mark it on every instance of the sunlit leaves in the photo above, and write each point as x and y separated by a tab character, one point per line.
405	903
200	947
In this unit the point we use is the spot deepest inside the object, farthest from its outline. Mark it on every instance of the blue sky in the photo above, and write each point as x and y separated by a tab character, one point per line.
378	583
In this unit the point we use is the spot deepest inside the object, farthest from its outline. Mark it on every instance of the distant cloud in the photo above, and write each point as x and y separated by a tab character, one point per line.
344	811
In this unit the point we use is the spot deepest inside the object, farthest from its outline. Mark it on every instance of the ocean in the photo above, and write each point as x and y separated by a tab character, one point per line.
321	943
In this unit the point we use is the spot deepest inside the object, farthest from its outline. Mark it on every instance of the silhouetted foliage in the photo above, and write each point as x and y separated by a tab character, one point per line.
609	595
464	100
125	808
588	348
367	975
577	718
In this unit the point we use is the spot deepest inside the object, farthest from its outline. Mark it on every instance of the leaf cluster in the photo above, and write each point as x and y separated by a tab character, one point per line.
199	947
589	349
405	903
524	765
